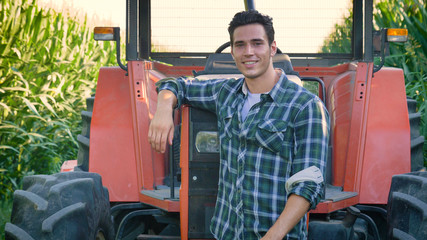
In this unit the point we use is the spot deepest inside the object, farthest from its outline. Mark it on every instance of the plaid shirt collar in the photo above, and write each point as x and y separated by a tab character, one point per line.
276	93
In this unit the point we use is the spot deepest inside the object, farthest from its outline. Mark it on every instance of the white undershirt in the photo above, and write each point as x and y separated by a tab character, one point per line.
252	99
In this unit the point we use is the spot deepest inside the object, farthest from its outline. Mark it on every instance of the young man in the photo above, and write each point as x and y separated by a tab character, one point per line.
273	135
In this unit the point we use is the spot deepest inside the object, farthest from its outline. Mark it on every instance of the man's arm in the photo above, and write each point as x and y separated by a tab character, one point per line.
296	207
305	191
175	92
161	127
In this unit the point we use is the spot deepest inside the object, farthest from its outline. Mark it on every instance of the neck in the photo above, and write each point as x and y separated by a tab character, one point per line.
264	83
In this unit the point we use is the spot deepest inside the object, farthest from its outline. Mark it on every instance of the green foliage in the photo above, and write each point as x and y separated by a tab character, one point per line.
5	213
340	40
48	67
411	56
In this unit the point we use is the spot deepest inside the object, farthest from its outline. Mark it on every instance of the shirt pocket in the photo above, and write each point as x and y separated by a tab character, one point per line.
271	134
226	115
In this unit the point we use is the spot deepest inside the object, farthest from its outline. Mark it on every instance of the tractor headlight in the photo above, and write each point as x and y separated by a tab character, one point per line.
207	142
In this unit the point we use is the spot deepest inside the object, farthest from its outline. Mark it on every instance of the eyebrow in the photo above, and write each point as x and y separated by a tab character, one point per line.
252	40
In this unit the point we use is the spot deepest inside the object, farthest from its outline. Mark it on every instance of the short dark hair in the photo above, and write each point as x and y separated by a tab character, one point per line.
250	17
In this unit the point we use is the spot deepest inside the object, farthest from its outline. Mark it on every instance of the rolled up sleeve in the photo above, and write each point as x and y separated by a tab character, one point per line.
311	149
192	91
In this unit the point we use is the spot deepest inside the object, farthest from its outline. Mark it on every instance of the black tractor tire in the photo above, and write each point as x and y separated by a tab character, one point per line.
84	136
407	207
417	140
63	206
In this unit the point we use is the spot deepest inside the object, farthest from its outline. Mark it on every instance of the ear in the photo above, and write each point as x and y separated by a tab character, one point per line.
273	48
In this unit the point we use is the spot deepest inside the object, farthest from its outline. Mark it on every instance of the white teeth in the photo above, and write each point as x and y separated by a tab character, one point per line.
249	62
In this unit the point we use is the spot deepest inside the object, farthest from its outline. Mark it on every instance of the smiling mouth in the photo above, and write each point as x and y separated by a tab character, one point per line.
249	62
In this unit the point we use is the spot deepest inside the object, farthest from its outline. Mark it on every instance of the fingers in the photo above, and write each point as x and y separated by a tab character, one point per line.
155	140
158	136
170	138
162	143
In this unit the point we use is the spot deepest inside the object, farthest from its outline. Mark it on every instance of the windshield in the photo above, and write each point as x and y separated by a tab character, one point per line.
201	26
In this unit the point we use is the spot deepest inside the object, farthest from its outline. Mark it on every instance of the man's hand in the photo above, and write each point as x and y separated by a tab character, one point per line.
162	127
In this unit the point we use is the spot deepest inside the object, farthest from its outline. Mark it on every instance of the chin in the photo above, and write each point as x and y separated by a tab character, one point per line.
251	75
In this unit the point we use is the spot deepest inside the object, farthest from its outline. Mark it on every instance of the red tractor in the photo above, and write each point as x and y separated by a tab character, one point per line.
373	188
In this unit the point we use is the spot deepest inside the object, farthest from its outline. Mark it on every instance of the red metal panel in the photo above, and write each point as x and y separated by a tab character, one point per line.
369	127
68	166
327	74
356	142
387	146
140	121
150	163
339	106
119	148
112	152
176	71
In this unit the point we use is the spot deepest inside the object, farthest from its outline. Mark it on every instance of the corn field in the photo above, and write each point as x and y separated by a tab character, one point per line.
48	67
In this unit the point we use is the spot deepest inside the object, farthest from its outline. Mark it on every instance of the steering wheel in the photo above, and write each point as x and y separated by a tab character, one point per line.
227	44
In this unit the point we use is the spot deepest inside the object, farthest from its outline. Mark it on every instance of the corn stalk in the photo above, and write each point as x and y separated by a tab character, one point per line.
48	67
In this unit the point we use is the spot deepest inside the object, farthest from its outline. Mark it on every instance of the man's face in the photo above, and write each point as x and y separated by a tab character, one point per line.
251	51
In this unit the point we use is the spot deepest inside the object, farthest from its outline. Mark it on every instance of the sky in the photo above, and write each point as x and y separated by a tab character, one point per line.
200	25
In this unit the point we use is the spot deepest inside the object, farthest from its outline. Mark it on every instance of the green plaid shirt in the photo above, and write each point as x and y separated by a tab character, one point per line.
286	132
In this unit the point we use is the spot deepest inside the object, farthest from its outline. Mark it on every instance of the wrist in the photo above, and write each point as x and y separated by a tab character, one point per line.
274	233
165	107
166	100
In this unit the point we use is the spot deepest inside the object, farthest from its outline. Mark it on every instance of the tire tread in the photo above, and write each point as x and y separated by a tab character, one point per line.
50	222
68	205
407	206
13	231
29	198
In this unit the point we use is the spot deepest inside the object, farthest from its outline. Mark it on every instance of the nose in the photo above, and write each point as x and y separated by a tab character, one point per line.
248	49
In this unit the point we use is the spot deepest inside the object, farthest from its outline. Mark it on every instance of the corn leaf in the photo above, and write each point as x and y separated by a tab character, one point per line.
9	148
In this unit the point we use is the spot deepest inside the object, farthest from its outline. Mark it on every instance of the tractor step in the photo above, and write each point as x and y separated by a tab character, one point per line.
162	193
335	194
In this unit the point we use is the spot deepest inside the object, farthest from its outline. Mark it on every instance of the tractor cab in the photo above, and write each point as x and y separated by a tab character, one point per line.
185	179
173	195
